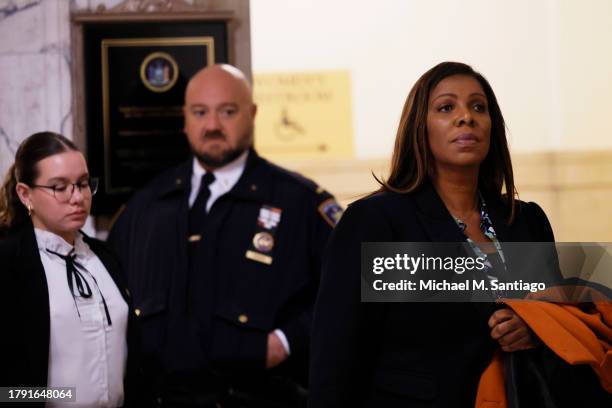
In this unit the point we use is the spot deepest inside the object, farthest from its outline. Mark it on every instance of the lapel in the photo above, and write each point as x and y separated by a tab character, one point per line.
30	259
35	298
175	194
439	223
252	184
435	219
177	182
440	226
181	188
34	273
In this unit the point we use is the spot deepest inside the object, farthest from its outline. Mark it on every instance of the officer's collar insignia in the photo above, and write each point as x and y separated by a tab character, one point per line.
331	211
262	243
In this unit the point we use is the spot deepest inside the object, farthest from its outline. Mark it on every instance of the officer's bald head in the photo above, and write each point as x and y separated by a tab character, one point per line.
219	114
231	79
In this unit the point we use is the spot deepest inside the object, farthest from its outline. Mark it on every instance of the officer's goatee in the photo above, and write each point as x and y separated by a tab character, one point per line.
220	159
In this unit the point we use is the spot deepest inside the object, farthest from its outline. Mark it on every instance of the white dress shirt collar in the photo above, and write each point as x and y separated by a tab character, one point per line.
226	178
53	242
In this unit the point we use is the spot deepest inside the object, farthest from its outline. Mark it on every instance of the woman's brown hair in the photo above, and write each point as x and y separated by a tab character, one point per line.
24	170
412	160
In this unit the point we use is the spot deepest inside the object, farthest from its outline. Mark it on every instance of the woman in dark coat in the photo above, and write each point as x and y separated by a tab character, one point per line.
449	170
64	308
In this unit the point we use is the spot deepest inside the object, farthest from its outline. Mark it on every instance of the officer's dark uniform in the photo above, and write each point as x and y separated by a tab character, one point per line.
256	269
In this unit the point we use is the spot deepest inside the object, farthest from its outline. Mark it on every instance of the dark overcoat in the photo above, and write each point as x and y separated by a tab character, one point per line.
402	354
24	310
216	318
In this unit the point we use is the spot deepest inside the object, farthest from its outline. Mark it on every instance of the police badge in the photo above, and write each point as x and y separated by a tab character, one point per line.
263	240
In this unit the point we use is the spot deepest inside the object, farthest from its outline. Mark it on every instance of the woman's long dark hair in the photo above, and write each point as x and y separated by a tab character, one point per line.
412	160
25	170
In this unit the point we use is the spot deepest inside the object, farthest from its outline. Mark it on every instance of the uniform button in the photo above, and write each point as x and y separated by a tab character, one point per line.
137	312
253	187
179	181
243	318
194	238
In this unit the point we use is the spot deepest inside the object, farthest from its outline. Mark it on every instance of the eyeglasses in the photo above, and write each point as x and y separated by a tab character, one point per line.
63	191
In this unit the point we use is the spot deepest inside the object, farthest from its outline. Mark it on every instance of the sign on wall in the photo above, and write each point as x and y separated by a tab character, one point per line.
303	115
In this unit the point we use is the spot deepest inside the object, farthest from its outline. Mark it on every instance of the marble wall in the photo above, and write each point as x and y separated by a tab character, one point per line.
34	67
35	90
35	94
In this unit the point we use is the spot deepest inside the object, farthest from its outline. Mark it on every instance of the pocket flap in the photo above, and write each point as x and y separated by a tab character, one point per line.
149	308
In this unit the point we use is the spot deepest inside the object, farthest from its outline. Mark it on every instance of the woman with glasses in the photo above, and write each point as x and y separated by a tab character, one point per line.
64	307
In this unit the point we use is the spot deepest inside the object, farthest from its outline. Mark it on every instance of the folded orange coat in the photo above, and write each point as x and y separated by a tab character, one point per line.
575	335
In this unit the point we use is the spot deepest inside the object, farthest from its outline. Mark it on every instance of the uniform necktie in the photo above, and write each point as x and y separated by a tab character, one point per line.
197	214
75	276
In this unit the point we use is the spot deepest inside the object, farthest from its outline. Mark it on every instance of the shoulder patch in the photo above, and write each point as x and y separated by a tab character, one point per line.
331	211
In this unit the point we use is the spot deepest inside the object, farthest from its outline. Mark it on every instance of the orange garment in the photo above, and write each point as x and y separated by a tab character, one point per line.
577	336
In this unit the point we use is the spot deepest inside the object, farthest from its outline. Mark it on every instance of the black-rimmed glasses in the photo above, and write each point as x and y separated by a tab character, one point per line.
63	191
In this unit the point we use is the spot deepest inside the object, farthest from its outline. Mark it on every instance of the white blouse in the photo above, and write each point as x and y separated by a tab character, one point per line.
84	351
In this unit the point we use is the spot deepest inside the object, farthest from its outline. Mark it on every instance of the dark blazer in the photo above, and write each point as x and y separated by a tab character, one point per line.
402	354
24	308
216	321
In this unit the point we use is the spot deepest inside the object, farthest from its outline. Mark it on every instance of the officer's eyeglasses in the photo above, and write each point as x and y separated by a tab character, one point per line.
63	191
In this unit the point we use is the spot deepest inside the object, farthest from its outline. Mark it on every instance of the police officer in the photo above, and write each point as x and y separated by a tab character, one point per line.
222	255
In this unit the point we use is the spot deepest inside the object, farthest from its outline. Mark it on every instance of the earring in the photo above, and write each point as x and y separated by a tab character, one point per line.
29	206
